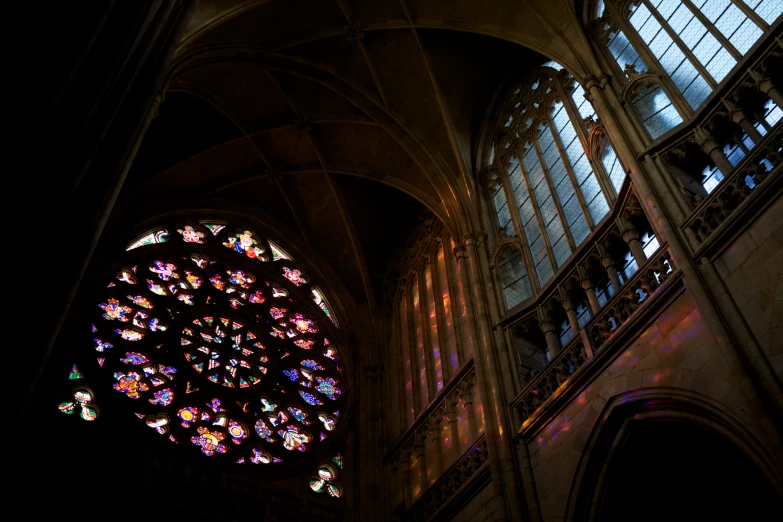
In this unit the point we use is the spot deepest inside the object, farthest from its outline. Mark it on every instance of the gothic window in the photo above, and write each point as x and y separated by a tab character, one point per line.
583	314
694	43
513	277
544	185
216	338
654	108
627	266
604	290
649	243
565	333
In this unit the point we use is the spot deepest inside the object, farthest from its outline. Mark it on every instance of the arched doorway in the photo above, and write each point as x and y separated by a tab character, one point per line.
671	470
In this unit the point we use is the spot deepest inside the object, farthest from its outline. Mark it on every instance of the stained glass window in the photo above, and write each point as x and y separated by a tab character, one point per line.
82	401
150	238
220	346
325	480
543	173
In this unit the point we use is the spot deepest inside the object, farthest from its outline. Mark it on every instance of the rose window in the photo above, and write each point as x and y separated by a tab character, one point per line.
225	351
217	339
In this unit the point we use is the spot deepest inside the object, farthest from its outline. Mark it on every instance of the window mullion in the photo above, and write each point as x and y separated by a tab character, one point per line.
516	219
537	210
581	133
606	55
553	190
750	13
678	99
684	48
574	183
713	30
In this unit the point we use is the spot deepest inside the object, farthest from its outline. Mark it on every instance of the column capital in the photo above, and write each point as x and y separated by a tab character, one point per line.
435	423
402	462
590	82
159	98
419	439
465	391
450	406
586	283
546	326
705	140
460	251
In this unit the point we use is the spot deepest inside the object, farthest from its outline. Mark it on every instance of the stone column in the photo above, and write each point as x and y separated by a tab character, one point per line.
631	237
434	426
770	89
412	344
492	386
404	465
611	271
746	125
450	411
548	329
465	389
419	440
655	197
573	320
714	150
589	287
429	356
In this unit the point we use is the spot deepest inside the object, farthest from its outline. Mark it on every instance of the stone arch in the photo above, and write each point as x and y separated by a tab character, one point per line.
648	405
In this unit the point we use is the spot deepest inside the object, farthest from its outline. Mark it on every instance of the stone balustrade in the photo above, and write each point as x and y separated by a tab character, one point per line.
640	289
544	385
764	163
458	477
634	293
730	148
424	437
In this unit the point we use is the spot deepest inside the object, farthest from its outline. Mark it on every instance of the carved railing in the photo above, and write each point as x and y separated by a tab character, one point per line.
638	291
544	385
573	269
459	387
630	298
763	163
735	112
452	482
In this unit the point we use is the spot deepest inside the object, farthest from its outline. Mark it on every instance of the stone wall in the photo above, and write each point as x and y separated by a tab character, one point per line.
479	509
677	351
752	269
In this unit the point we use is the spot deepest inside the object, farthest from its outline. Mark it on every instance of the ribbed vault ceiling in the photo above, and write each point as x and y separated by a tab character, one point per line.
340	118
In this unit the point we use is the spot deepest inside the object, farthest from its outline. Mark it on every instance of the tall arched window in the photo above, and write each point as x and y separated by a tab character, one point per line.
692	43
544	185
215	338
513	277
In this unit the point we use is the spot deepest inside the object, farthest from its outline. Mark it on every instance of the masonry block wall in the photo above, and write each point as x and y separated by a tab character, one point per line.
752	269
676	351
